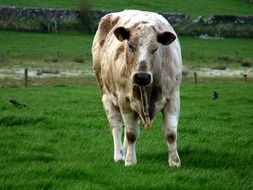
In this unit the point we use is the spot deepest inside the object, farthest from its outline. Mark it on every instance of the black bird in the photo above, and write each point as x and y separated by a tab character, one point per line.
215	95
16	104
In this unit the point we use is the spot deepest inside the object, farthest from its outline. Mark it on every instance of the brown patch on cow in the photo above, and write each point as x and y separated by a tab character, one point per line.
171	137
154	29
99	80
130	65
124	103
134	37
125	72
136	92
109	86
178	78
144	22
136	25
131	137
116	110
108	22
114	94
156	94
101	43
139	23
131	57
105	26
119	51
174	157
114	21
151	111
127	100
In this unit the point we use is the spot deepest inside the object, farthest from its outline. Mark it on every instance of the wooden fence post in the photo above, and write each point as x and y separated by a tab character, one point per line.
245	76
26	78
195	77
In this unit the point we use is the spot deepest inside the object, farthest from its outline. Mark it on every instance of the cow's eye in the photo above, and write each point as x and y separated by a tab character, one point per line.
153	51
131	48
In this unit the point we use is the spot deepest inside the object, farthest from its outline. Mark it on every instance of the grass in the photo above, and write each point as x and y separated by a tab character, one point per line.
22	46
43	45
62	51
193	8
207	52
61	140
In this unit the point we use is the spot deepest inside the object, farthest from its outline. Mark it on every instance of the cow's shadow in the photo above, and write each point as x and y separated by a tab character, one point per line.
199	158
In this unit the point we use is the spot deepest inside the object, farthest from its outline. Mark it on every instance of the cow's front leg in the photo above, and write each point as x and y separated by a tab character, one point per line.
131	135
114	117
171	116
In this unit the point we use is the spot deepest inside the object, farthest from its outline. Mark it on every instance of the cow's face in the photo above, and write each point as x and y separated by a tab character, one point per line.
143	42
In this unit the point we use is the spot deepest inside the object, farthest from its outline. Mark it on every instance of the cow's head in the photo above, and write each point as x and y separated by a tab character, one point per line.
142	53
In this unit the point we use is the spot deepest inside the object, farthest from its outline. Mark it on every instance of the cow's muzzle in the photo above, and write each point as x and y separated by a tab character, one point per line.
142	78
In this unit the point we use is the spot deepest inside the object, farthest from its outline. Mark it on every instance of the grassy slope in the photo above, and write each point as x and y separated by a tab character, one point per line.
207	52
22	45
192	7
61	140
34	45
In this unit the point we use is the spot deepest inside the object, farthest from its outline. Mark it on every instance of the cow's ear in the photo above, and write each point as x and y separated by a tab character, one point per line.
121	33
166	38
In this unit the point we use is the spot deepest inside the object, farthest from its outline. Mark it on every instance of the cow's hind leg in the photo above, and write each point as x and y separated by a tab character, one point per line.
114	117
171	115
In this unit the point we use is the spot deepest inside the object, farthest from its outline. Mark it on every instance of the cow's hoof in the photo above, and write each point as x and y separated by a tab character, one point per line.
174	161
128	163
118	159
118	156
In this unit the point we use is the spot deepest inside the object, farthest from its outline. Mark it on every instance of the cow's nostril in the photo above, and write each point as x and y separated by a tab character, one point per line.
142	79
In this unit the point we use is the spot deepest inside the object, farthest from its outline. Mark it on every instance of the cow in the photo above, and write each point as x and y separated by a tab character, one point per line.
138	65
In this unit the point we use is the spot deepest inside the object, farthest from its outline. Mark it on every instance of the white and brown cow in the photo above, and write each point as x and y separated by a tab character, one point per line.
138	64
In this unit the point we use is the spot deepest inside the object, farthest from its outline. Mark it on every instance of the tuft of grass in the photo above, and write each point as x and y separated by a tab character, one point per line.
228	58
11	120
52	59
79	59
4	57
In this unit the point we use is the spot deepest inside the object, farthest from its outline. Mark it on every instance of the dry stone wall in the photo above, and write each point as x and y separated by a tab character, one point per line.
48	19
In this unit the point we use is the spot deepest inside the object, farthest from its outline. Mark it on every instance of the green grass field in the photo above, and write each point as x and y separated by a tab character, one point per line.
67	46
191	7
61	140
38	45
